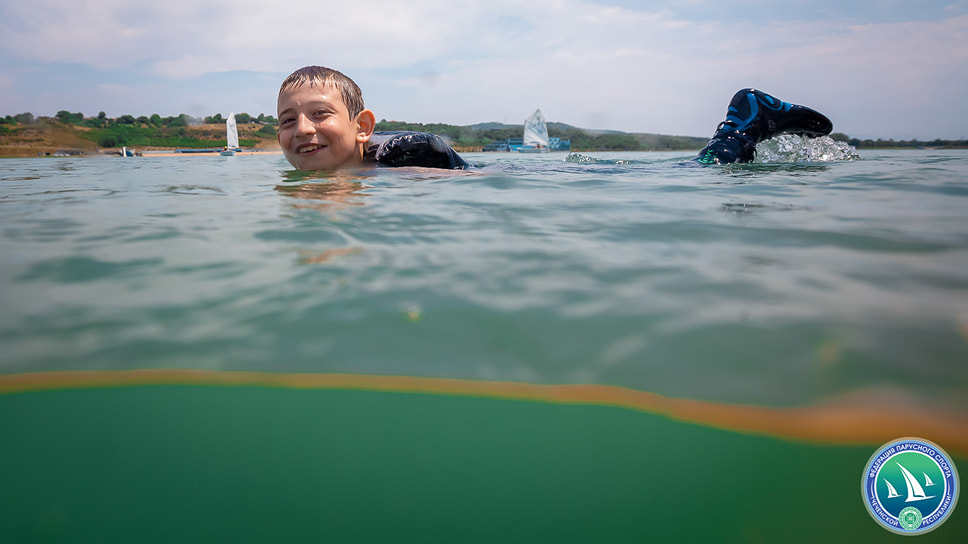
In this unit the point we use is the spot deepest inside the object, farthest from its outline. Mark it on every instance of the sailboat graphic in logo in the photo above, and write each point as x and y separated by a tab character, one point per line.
891	492
914	490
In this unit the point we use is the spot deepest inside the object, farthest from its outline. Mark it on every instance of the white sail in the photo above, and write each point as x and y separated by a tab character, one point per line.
927	480
231	132
891	492
536	130
914	490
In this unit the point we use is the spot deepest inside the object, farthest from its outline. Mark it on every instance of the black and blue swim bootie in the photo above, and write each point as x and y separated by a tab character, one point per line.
754	116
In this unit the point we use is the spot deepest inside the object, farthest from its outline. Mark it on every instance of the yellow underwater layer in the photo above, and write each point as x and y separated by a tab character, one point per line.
860	421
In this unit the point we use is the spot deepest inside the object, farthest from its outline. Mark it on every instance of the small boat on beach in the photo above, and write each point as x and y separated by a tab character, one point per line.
231	137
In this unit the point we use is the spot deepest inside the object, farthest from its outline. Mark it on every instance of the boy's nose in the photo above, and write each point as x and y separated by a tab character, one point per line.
304	125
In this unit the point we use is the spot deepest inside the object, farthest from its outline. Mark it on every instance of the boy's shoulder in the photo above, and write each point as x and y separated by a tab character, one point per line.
405	148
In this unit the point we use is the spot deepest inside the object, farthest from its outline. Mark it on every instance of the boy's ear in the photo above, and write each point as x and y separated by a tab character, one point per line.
365	124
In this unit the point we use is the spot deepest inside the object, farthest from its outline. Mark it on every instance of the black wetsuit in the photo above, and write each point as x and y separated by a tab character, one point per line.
754	116
412	149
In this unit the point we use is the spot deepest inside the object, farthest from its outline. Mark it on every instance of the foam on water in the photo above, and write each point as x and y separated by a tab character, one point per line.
578	158
790	148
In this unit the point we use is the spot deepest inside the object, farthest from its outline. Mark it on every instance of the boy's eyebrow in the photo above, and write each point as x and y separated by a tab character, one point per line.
313	104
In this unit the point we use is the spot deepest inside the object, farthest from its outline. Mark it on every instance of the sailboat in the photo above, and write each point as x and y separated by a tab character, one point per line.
231	136
914	490
535	134
891	492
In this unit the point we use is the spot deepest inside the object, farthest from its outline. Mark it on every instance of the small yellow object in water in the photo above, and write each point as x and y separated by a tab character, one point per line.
829	353
963	324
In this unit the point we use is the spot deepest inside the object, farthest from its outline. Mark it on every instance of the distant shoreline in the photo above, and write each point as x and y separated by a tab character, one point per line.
47	137
174	153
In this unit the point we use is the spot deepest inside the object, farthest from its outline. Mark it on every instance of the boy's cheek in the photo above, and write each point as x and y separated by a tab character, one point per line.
283	137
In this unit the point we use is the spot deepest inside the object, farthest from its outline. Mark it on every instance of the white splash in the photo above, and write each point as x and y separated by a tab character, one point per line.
787	148
578	158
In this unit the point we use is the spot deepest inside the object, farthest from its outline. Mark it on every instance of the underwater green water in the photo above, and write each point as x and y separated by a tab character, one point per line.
164	464
775	285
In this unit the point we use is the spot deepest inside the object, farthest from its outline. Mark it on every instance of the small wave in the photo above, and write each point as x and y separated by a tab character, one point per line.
754	207
787	148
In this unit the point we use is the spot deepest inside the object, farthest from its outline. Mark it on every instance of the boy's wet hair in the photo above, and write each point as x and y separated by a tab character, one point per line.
319	75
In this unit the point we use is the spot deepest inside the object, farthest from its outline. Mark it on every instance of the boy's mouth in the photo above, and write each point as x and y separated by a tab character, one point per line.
309	148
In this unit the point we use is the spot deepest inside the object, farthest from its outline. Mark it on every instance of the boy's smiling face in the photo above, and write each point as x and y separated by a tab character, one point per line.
315	129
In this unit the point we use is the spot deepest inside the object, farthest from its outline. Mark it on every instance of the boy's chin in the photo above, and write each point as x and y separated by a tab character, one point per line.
313	163
326	163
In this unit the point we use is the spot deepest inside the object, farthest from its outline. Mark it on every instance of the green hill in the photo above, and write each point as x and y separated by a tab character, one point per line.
474	137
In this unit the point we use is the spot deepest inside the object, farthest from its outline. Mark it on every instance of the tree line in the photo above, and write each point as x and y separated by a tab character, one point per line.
149	131
183	131
581	140
890	143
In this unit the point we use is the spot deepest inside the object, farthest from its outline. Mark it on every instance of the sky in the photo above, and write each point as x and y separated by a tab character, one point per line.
878	68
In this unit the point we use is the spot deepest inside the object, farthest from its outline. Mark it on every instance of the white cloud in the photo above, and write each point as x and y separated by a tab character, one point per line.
221	34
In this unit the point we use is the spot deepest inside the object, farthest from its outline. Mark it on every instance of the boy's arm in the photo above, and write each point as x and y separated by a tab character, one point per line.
413	149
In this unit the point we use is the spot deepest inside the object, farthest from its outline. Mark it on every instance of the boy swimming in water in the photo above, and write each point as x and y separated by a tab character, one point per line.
323	125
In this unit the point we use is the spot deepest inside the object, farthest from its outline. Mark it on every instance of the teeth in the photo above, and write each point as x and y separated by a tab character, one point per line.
310	148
